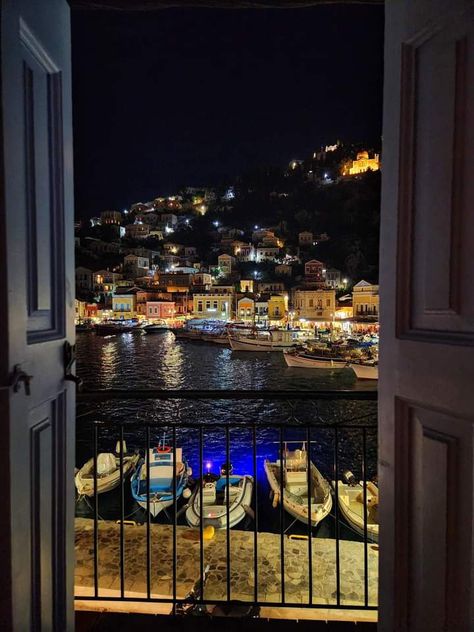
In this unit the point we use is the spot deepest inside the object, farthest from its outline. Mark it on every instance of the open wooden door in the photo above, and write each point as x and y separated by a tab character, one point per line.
426	386
36	319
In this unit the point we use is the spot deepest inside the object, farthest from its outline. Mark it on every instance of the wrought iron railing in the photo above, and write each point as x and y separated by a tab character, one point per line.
338	428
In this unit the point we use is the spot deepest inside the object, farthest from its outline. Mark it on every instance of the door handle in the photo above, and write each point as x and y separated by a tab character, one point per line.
17	377
69	359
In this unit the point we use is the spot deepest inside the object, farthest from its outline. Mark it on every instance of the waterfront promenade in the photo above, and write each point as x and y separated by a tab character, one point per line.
215	552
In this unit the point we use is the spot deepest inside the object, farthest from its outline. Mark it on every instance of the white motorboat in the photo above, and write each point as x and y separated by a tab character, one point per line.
272	340
351	505
295	487
216	493
365	370
312	361
108	472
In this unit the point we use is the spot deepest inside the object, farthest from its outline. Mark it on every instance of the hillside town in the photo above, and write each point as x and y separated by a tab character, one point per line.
197	254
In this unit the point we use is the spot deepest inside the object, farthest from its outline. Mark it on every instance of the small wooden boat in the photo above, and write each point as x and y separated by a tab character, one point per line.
295	486
108	472
306	360
214	501
161	485
351	505
365	370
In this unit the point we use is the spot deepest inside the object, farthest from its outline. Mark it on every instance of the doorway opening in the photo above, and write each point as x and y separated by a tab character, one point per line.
228	199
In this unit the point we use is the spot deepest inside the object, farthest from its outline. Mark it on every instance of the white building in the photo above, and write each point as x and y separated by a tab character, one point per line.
267	253
212	306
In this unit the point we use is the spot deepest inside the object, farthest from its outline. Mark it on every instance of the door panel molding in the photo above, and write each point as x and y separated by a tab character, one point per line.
435	157
44	183
432	508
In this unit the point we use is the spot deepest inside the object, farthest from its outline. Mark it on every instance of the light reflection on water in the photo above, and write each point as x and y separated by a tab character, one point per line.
159	361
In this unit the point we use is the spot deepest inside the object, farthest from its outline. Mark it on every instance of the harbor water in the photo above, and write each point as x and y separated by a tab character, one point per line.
137	361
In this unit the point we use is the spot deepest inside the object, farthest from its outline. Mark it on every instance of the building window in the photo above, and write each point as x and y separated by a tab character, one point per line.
311	302
199	306
214	305
328	302
208	304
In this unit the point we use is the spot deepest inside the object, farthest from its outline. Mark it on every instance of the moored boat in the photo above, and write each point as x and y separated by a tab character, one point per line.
108	472
294	469
307	360
216	494
271	340
365	370
111	327
159	327
162	488
351	505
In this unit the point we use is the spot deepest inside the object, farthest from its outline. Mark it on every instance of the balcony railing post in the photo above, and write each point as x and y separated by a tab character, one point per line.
201	541
255	525
336	511
175	511
148	517
122	512
310	518
96	515
282	517
364	483
227	508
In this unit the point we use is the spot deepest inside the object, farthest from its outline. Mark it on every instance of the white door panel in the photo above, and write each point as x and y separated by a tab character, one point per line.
38	275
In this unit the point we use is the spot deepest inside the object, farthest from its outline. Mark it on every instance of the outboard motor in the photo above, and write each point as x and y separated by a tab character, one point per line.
227	468
349	478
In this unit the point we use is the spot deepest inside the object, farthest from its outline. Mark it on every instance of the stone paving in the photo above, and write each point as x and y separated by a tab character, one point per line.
215	553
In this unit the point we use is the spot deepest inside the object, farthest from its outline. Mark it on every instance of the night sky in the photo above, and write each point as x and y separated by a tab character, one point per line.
194	97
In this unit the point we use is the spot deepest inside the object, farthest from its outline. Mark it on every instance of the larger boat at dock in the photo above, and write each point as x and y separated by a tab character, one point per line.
267	340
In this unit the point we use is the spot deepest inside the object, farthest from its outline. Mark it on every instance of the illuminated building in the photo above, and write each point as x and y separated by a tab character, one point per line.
362	164
124	305
315	304
213	306
160	309
111	218
305	238
365	300
245	308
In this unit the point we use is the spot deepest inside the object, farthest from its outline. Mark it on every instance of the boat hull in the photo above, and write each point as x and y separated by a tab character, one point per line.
365	371
156	506
295	360
258	345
